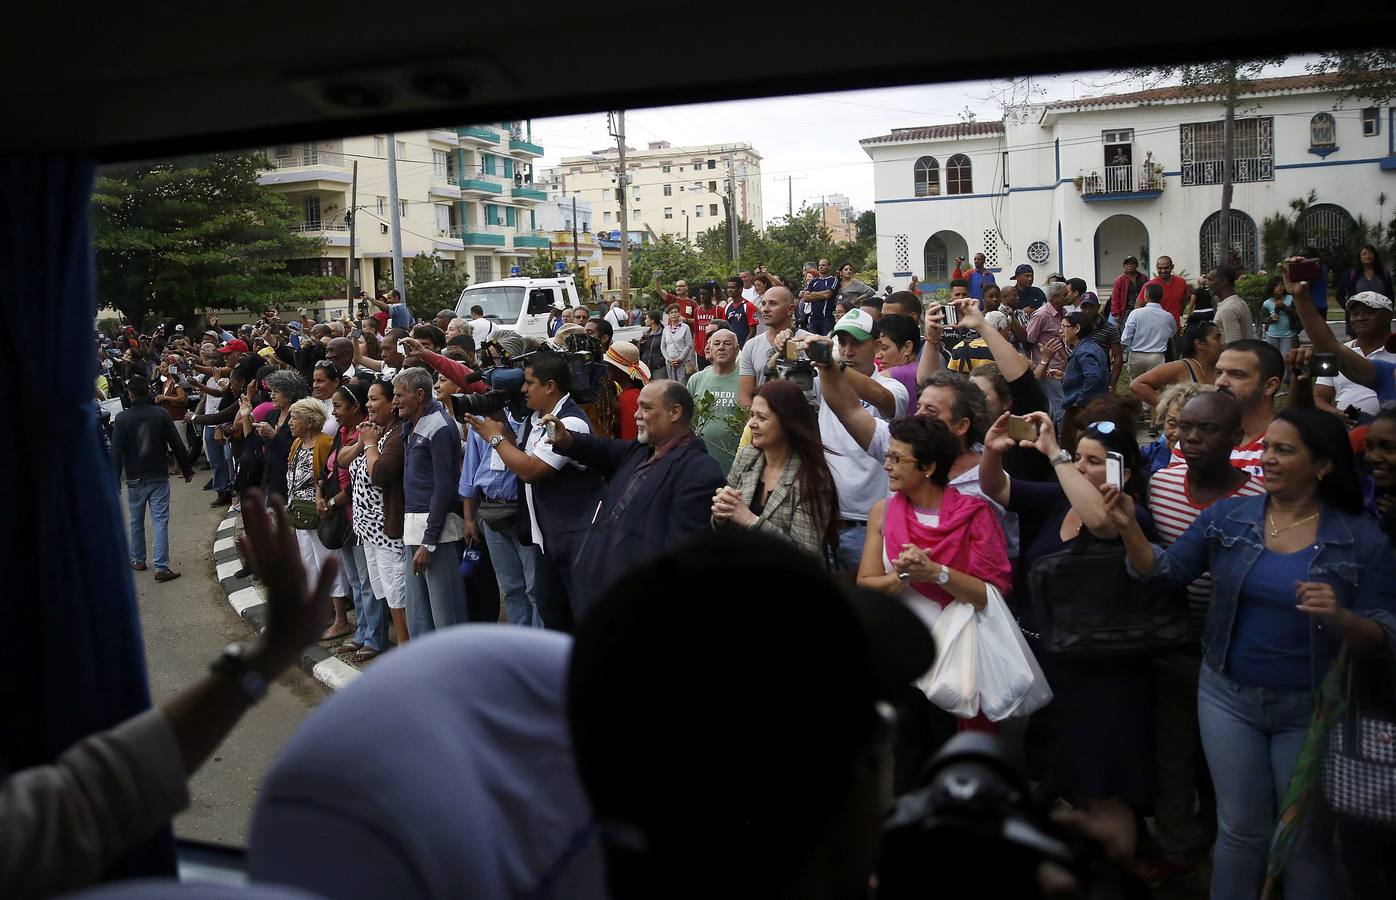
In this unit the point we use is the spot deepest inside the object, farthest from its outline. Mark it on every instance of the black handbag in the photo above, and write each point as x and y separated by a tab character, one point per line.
499	515
1359	765
1088	606
334	531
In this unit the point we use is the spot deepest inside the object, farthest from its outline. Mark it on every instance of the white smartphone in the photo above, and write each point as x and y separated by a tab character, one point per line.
1115	470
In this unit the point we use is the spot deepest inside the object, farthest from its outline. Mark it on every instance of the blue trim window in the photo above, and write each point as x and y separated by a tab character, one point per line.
1323	134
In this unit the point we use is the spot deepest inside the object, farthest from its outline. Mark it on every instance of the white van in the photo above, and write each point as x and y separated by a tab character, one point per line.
522	305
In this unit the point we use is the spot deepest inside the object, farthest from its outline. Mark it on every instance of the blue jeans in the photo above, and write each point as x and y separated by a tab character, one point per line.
1252	738
1052	390
372	628
850	552
220	460
155	493
516	567
435	598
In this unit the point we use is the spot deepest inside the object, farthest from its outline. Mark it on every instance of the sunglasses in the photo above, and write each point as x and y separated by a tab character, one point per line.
1105	427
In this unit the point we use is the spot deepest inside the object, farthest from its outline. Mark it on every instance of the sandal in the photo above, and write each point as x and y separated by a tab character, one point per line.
364	655
348	647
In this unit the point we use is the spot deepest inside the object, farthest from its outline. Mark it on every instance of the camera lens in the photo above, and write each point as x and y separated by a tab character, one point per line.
484	404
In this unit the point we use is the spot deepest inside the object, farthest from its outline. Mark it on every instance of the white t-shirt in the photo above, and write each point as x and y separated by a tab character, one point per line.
481	330
857	476
540	447
751	294
616	316
1349	393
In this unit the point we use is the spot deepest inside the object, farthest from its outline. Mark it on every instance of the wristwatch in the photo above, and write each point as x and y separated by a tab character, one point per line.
232	664
430	548
943	577
496	441
1061	456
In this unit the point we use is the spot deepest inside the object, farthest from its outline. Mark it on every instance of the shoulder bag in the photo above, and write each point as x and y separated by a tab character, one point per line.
1359	766
302	514
1087	605
334	531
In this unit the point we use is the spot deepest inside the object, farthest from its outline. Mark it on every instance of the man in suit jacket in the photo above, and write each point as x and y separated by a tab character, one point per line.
658	489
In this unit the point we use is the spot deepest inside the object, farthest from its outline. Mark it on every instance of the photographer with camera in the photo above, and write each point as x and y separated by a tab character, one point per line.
658	489
760	350
560	494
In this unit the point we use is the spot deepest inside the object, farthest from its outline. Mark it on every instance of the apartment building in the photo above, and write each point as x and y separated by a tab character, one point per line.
678	191
839	217
1077	185
466	194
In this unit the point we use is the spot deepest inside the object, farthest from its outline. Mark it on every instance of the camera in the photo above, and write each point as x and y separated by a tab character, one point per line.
974	823
505	375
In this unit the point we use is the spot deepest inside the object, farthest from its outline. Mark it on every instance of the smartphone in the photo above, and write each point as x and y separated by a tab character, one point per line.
819	352
1021	429
952	315
551	428
1323	365
792	350
1115	470
1353	413
1305	270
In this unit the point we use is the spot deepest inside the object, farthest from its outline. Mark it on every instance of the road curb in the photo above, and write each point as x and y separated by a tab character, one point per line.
248	601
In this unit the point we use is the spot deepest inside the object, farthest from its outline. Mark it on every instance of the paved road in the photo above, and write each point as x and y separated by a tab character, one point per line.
187	623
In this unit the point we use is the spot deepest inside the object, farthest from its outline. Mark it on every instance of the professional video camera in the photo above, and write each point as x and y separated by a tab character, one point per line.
975	824
796	365
505	375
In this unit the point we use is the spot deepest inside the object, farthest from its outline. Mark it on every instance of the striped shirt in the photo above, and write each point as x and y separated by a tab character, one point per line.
1174	510
1245	457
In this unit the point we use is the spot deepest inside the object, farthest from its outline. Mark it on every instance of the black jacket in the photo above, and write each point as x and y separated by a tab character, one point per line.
142	434
669	501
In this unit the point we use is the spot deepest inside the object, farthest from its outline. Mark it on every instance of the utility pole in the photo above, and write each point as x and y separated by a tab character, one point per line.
618	121
733	239
399	281
576	251
353	209
790	194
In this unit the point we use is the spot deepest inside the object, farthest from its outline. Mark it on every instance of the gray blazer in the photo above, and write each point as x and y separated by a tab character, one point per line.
784	515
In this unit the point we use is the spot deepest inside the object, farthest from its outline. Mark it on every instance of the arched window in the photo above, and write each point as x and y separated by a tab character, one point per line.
1240	236
1323	131
936	258
927	177
1324	226
957	175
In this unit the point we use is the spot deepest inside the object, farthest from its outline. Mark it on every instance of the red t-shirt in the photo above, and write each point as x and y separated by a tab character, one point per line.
1175	293
702	316
382	319
686	305
629	402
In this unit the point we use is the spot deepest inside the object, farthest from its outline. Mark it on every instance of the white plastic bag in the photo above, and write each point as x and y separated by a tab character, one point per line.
1011	682
953	681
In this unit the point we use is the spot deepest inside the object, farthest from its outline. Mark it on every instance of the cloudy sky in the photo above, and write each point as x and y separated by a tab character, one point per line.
818	161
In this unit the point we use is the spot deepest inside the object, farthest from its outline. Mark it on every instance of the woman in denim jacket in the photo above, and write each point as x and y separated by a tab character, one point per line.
1295	573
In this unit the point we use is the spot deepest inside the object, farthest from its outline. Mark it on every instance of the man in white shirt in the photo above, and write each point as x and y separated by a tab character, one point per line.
481	328
616	316
859	477
749	291
1370	325
1147	333
778	315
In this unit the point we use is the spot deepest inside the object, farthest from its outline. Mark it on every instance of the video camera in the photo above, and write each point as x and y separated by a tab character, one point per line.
975	823
505	376
796	365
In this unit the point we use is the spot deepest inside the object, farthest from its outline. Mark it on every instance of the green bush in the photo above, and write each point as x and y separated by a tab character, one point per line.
1251	288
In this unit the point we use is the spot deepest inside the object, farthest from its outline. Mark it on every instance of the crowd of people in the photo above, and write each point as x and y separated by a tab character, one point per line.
985	448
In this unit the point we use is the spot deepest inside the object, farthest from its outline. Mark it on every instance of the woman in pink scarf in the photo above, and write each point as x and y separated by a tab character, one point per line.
944	545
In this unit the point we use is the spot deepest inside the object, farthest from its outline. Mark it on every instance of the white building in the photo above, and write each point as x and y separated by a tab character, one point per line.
673	190
466	194
1076	186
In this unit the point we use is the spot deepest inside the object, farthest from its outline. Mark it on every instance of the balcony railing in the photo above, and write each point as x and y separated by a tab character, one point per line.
1140	179
318	226
452	232
443	176
485	235
480	134
532	240
443	136
527	191
519	145
308	158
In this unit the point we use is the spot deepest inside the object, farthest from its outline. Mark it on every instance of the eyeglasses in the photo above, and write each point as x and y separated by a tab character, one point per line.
1105	427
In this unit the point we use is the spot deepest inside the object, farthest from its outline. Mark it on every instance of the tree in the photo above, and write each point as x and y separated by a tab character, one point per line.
867	229
713	247
672	257
1361	74
178	235
1203	81
544	265
431	287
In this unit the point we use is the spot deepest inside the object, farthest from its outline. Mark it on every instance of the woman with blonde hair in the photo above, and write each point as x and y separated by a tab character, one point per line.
306	465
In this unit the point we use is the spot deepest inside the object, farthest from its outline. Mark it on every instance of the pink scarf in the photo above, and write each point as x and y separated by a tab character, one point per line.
968	539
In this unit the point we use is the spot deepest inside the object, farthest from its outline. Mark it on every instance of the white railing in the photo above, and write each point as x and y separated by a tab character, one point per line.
308	158
453	232
1121	179
443	175
489	229
318	226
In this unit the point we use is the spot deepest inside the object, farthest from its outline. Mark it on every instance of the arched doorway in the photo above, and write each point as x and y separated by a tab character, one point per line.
938	256
1117	237
610	278
1325	227
1242	239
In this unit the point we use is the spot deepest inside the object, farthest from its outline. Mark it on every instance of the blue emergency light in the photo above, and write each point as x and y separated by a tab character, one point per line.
514	270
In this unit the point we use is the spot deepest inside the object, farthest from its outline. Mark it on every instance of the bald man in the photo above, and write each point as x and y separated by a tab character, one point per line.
778	317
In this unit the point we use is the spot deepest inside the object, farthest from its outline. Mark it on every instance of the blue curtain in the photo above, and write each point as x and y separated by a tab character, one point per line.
71	657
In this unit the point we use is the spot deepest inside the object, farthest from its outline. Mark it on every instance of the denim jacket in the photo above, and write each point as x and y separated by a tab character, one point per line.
1227	538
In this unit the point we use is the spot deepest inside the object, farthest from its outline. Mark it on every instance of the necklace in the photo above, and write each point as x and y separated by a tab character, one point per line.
1274	532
